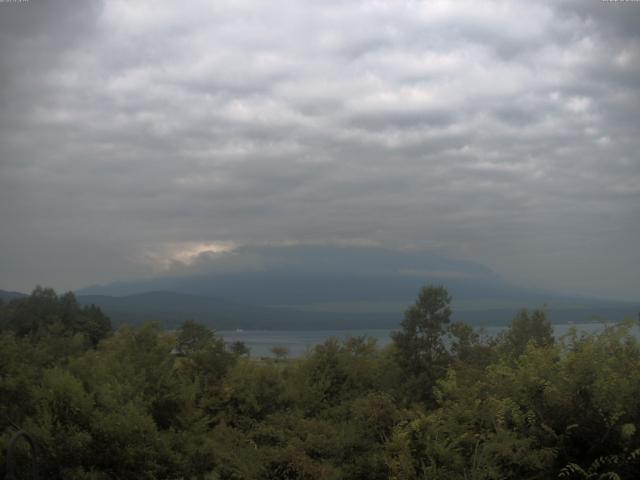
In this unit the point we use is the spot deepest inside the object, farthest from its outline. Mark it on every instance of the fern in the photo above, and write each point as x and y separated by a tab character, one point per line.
572	470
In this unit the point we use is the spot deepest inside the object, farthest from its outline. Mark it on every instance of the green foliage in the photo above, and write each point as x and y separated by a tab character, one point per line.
441	402
252	392
281	352
193	337
45	314
240	349
420	340
420	347
525	328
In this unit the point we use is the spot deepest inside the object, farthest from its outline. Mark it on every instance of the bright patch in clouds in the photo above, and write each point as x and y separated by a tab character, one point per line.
185	254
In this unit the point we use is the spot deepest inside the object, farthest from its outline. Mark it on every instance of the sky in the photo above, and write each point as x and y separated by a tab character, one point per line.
134	136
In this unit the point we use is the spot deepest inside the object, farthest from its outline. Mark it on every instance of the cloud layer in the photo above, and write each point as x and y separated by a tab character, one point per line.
503	132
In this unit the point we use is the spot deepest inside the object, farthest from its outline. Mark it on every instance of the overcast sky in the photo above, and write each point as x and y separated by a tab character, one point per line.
133	134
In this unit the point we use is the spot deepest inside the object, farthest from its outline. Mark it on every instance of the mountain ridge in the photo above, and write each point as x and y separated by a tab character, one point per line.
342	286
321	287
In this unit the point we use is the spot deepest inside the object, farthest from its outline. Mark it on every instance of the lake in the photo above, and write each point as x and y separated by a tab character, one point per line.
298	342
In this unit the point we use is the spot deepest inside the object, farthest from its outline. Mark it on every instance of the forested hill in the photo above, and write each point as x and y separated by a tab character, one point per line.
7	296
170	309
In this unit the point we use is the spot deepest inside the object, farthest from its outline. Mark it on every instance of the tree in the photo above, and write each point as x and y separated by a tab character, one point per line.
193	336
205	360
45	314
240	349
94	324
468	347
280	351
527	328
420	348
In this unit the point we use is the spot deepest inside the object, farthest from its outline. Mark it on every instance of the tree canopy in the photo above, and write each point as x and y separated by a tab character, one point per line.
441	402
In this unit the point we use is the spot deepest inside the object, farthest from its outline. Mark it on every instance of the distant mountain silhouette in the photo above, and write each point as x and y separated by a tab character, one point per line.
302	274
330	287
7	295
171	309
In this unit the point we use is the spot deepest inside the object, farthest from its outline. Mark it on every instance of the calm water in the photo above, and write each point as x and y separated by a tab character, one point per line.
298	342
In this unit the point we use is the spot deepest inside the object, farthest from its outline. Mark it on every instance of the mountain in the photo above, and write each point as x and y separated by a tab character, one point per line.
300	287
7	296
303	274
171	309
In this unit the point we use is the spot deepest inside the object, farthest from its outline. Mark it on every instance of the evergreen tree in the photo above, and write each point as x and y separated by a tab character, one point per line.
420	348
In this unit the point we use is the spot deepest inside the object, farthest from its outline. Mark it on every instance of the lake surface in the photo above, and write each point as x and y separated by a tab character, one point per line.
298	342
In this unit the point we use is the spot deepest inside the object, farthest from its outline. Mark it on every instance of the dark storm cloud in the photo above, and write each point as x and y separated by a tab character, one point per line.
134	135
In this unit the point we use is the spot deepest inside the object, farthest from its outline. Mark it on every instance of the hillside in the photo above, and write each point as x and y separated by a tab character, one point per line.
171	309
7	295
332	287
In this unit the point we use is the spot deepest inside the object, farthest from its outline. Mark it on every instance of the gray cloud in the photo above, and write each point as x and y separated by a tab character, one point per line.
503	132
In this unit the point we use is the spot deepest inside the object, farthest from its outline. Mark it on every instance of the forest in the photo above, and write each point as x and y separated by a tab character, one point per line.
442	401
